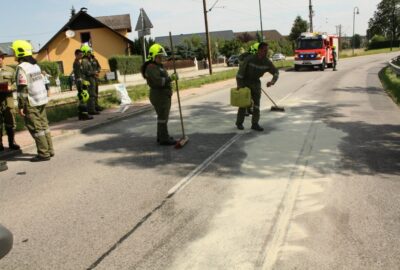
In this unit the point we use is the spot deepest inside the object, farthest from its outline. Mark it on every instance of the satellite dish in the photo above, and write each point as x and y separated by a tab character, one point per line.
69	33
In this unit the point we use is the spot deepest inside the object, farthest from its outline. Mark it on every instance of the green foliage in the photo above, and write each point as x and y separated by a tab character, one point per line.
125	64
357	41
386	20
299	26
282	46
391	83
51	68
379	42
137	47
378	38
230	47
245	37
65	83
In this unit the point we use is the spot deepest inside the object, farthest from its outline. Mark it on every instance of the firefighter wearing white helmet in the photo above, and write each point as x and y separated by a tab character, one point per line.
89	74
160	91
32	99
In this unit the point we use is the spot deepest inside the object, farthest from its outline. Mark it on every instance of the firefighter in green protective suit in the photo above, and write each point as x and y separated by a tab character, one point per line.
250	71
32	99
7	114
89	74
160	91
251	51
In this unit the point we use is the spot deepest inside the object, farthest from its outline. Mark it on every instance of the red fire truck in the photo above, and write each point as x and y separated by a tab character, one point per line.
315	50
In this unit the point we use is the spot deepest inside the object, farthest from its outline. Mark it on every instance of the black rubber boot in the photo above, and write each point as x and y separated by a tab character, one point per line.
240	126
39	159
256	127
170	141
84	116
3	166
11	142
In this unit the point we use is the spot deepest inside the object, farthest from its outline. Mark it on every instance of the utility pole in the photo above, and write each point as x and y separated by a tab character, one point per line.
207	38
340	37
356	10
262	33
393	24
311	15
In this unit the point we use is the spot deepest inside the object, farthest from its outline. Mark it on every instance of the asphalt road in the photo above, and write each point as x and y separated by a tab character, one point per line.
318	189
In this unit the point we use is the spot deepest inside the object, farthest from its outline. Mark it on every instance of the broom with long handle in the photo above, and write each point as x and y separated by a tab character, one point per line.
181	142
274	108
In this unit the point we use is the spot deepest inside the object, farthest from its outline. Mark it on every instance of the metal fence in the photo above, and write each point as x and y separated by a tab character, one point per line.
395	65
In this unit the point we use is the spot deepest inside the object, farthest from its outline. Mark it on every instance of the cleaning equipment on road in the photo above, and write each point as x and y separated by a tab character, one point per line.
241	97
181	142
274	108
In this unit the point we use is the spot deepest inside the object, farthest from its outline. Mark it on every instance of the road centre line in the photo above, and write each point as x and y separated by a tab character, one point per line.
291	93
185	181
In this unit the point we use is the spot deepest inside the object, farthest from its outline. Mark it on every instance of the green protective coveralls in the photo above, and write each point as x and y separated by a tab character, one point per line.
251	69
160	97
7	113
89	74
35	113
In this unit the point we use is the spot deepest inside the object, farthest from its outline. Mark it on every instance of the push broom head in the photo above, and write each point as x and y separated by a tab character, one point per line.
181	142
277	109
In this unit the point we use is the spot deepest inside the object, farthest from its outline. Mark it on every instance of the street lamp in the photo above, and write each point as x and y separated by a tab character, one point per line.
262	34
354	22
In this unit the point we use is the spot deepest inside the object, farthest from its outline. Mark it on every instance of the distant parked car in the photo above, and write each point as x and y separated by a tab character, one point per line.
233	61
278	57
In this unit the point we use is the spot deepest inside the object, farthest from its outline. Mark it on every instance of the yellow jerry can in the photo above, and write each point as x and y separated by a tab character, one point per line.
241	97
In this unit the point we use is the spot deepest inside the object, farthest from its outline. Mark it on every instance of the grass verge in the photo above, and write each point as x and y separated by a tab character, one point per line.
360	52
391	83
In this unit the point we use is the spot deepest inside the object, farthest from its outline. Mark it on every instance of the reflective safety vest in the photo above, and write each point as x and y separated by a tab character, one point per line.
37	93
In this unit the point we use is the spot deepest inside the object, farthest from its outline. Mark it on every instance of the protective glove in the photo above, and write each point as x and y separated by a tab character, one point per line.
269	84
174	76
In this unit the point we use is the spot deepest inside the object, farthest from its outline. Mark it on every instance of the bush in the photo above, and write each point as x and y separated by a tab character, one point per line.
51	68
125	64
380	42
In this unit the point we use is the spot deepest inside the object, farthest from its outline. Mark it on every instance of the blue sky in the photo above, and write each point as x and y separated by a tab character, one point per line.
39	20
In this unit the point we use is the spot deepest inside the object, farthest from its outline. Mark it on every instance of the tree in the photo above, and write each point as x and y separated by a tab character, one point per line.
356	40
245	37
386	20
299	26
230	47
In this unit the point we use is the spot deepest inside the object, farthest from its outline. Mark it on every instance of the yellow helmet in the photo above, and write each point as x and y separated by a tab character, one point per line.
155	50
83	96
254	48
22	48
86	49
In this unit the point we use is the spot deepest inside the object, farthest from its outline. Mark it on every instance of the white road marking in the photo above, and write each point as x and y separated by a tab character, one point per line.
291	93
185	181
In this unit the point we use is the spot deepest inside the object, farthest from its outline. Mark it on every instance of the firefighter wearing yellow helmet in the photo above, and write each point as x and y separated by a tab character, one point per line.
83	97
251	51
248	75
7	113
160	91
89	74
32	99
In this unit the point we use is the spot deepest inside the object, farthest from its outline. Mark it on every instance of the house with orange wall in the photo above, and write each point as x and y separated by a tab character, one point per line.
107	36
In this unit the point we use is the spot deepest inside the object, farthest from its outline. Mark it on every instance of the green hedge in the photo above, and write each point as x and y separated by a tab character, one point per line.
51	68
383	44
125	64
